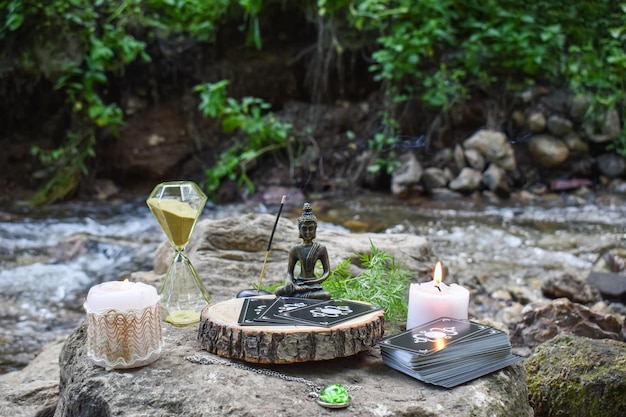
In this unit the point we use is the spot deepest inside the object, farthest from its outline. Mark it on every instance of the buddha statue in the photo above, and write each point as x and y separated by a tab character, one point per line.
307	284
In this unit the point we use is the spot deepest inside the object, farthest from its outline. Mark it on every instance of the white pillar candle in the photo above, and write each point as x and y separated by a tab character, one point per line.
121	295
432	300
123	324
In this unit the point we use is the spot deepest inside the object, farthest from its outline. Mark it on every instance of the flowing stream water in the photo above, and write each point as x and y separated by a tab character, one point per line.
51	256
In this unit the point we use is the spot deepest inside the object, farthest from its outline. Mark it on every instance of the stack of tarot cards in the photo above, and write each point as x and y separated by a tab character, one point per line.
448	352
261	311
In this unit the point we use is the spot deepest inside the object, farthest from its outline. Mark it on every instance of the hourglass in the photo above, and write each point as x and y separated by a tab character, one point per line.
177	205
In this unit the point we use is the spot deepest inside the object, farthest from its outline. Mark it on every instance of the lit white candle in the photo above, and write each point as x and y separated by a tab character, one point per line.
121	296
432	300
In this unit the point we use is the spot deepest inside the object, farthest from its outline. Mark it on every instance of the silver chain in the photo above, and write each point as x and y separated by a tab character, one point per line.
314	389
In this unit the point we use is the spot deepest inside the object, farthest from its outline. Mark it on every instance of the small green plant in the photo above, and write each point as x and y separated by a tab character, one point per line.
384	282
69	163
251	117
383	144
619	145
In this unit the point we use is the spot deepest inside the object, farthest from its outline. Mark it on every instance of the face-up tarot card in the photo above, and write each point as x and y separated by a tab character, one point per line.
252	308
274	312
435	335
329	313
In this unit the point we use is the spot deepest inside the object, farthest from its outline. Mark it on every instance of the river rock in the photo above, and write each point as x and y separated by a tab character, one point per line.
497	181
475	159
459	156
575	143
578	376
570	184
445	194
536	122
407	176
543	320
570	287
467	181
559	126
613	260
271	193
70	247
615	185
605	129
494	146
611	165
434	178
548	150
611	285
518	119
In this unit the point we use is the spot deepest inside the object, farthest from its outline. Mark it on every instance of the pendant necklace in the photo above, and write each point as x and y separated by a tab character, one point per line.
329	396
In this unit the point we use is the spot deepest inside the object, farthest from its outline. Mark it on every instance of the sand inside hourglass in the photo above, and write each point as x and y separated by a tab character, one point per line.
176	205
175	217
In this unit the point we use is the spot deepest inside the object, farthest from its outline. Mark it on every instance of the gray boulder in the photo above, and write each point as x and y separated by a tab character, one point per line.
186	381
35	387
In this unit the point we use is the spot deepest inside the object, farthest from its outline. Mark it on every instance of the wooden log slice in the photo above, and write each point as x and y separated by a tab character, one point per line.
221	334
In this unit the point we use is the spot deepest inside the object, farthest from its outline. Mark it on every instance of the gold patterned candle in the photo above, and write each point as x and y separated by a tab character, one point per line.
124	324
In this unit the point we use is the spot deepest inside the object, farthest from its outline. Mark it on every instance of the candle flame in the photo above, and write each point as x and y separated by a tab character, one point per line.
125	284
440	343
438	274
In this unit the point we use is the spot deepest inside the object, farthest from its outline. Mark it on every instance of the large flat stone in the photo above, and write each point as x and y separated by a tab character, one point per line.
228	254
23	393
175	386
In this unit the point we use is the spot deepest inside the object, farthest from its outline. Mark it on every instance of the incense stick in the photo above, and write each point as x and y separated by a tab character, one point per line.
269	244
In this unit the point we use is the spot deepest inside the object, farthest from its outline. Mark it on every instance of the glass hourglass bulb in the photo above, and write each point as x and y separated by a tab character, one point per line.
176	205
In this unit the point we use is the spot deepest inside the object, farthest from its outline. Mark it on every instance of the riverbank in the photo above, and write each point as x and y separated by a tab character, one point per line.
500	254
503	252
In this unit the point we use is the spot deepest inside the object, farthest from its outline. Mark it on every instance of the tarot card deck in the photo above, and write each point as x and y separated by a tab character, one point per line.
448	352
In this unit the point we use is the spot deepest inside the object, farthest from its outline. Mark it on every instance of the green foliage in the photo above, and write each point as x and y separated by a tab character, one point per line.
383	282
596	64
195	18
503	41
69	162
92	40
433	50
438	52
251	117
252	8
383	144
101	40
440	44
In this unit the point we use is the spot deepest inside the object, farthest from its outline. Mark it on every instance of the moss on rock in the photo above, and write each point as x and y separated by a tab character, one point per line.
576	376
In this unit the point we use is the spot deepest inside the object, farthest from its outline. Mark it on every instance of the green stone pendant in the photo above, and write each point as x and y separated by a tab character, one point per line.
334	396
